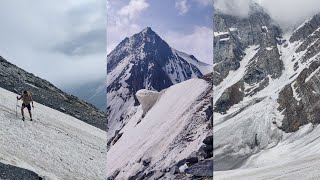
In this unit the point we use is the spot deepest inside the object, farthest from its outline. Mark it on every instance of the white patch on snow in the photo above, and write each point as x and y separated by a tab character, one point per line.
312	74
269	48
32	85
147	99
294	90
233	29
224	39
183	168
216	34
266	28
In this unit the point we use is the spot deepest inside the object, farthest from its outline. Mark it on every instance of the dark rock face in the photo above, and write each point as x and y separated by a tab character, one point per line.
233	35
305	108
308	28
202	169
229	97
192	160
228	51
208	140
311	44
15	80
12	172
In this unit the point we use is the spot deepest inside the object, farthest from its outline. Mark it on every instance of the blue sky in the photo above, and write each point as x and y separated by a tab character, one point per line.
185	24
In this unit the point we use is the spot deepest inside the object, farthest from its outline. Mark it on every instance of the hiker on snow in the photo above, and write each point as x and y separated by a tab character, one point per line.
26	99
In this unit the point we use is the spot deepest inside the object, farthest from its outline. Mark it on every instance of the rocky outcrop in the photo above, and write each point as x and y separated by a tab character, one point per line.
232	35
306	29
13	172
311	45
16	80
201	169
300	100
229	97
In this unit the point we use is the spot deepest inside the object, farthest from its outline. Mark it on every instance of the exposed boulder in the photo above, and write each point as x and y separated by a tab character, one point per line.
146	162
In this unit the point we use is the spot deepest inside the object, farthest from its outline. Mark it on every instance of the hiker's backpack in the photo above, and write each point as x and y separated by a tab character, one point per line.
28	98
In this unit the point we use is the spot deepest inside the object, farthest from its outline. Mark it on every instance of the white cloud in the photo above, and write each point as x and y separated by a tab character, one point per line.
233	7
122	23
287	13
133	9
198	43
38	37
182	6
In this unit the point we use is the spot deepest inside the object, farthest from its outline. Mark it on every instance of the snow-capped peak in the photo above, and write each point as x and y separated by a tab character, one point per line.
144	61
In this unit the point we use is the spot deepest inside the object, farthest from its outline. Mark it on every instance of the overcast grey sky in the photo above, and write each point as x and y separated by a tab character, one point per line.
185	25
61	41
287	13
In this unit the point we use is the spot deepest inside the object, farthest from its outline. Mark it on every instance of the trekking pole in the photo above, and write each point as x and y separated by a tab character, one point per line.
17	109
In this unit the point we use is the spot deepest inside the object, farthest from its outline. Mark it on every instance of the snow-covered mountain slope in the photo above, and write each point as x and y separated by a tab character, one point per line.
144	61
268	95
170	132
53	145
16	80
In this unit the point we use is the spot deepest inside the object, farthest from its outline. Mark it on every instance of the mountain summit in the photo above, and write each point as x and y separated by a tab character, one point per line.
144	61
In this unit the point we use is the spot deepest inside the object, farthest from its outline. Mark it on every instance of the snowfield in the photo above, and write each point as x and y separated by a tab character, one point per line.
296	157
155	135
53	145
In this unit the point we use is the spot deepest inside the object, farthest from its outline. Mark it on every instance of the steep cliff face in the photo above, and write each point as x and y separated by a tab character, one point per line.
300	100
266	86
232	35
